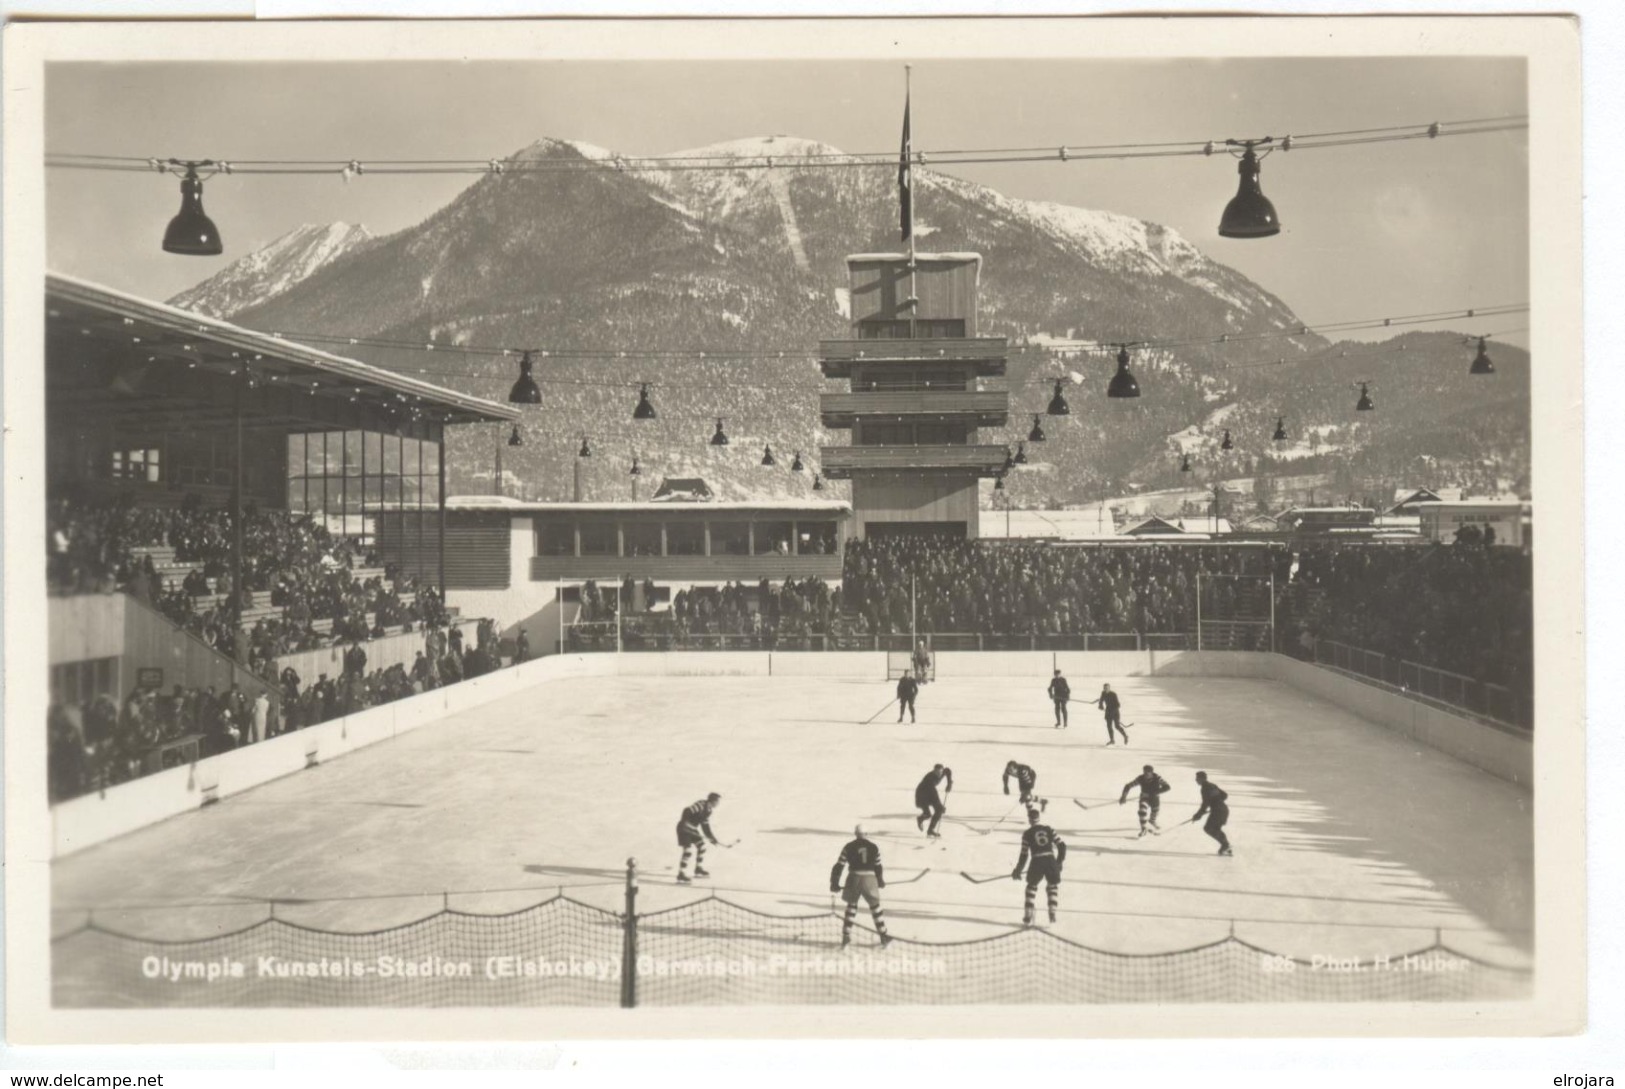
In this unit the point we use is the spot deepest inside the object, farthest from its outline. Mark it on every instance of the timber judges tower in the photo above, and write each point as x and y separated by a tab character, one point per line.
914	406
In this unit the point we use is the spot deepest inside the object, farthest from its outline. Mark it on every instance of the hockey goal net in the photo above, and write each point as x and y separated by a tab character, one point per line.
899	662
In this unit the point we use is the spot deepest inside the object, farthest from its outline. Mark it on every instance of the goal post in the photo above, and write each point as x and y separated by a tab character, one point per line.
899	662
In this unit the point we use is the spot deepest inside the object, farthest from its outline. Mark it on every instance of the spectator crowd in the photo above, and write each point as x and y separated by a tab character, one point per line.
309	576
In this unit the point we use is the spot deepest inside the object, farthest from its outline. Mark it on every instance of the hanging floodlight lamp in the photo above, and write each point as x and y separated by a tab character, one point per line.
768	460
818	483
1364	404
515	438
1249	213
1227	444
645	409
1123	383
585	451
1057	403
1280	429
525	391
1481	362
720	438
1185	464
636	470
1021	454
1037	433
795	465
192	233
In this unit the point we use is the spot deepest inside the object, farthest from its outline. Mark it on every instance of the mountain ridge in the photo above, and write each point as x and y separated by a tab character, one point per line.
753	260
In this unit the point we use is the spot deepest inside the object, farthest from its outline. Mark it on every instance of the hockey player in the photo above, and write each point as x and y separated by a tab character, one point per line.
1218	813
1026	778
1113	707
864	880
1040	843
1152	787
1061	693
907	689
693	829
922	663
929	801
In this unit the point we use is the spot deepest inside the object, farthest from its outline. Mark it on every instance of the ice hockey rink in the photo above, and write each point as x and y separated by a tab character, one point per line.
1350	840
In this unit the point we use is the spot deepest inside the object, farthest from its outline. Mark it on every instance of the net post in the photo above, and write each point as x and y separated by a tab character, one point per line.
629	939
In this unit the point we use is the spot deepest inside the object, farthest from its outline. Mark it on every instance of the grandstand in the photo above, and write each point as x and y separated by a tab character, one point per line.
214	578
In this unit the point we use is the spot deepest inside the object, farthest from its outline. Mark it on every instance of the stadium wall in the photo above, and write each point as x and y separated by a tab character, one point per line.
383	652
95	818
100	816
1502	751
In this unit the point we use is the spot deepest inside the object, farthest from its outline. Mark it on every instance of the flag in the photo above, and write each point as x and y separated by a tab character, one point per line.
905	192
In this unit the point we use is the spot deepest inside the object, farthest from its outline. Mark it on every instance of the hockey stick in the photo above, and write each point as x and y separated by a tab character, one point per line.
732	843
1080	805
910	880
981	880
878	713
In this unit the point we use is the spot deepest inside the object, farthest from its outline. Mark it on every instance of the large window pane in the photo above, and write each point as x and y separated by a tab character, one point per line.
816	538
557	539
772	537
730	538
598	539
642	538
685	538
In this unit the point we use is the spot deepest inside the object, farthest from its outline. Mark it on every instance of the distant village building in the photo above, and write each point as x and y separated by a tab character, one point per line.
1154	527
1509	519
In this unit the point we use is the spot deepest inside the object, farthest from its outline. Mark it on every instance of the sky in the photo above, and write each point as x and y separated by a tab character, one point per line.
1369	231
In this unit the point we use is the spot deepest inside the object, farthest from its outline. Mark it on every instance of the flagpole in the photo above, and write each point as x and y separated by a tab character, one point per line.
913	292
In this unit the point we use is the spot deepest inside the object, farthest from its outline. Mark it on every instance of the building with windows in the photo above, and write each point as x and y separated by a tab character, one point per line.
915	405
520	562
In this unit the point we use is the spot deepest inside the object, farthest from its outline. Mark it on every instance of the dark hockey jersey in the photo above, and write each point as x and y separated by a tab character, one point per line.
697	817
1040	841
859	856
1025	777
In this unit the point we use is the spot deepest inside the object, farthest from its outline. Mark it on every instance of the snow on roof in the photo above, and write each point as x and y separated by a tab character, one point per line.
86	292
1476	503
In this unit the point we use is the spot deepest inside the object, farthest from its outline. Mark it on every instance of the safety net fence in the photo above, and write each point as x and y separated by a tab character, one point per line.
712	952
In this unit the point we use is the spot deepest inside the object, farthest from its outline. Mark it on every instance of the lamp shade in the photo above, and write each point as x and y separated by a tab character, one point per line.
768	461
721	437
1123	383
1057	403
585	451
636	469
525	390
1280	429
515	438
1021	453
1364	404
795	464
1481	362
191	232
1249	213
1037	433
1227	444
645	409
818	483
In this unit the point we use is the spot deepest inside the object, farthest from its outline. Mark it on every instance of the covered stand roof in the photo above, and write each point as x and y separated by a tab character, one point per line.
143	365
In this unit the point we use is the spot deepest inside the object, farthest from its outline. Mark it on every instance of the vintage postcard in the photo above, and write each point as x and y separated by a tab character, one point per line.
599	529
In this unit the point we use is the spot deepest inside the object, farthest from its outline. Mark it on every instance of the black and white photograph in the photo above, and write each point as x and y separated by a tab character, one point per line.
617	520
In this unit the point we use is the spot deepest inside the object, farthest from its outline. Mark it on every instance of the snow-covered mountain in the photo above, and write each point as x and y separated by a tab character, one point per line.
753	259
266	273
